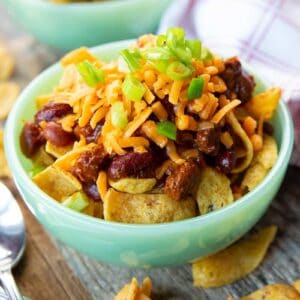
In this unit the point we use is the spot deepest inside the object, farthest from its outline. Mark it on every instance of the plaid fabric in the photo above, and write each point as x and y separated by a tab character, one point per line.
264	33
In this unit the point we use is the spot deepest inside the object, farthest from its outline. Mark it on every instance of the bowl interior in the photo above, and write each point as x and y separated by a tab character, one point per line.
25	108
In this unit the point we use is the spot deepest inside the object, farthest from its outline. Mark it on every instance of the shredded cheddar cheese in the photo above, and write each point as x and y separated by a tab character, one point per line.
137	122
172	153
149	128
159	111
102	184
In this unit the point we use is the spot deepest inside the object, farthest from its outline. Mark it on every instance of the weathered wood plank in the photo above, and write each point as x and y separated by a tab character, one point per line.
282	263
43	273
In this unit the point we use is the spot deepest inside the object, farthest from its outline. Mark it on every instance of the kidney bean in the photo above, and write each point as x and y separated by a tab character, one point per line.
89	163
130	165
182	180
237	80
91	135
184	138
52	111
225	161
91	190
54	133
31	138
207	138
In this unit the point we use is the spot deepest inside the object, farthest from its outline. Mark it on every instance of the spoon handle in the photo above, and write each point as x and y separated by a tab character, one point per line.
9	285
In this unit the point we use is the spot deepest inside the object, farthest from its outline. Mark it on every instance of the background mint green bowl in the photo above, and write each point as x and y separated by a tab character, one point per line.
70	26
139	245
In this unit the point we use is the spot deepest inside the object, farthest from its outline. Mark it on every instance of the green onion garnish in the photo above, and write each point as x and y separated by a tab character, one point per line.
133	89
195	47
177	71
167	128
161	66
161	40
157	53
118	115
195	88
183	54
176	43
206	54
89	73
175	37
131	59
36	170
78	201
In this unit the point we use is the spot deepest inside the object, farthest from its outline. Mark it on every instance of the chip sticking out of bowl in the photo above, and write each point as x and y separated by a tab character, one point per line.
264	104
7	64
9	92
274	291
4	170
234	262
132	291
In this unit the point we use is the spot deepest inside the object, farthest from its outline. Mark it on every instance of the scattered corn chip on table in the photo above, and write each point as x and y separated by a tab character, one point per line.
65	274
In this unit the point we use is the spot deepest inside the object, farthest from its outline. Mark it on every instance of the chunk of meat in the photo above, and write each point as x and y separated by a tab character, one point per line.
238	80
52	111
91	135
182	181
89	163
54	133
132	164
207	138
31	138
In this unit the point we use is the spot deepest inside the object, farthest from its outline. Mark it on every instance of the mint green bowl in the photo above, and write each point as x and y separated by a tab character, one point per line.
68	26
139	245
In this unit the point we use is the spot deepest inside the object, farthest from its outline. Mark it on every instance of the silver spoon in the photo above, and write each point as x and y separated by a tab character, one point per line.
12	241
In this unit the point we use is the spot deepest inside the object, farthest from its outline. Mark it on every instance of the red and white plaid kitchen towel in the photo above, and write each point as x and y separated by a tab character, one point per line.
265	33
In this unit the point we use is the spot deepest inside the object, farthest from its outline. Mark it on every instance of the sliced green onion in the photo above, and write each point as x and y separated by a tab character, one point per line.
183	54
195	88
206	54
176	43
78	201
118	115
167	128
36	170
89	73
161	40
157	53
161	65
177	71
131	59
175	37
133	89
195	47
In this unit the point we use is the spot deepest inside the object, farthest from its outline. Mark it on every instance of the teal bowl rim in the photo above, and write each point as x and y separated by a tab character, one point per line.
83	5
20	173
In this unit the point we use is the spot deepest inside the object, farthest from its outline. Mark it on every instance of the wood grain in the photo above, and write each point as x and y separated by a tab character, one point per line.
282	263
43	273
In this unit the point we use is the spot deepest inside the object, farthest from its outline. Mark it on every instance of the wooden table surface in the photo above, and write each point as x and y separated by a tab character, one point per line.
51	270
